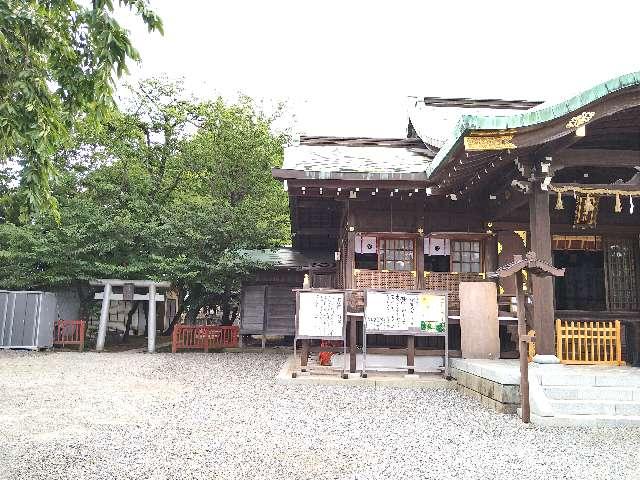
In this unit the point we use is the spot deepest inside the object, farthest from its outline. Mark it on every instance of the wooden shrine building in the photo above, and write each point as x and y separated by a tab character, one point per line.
475	182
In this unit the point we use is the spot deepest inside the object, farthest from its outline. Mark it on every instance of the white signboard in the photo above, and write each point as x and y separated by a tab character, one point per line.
395	312
320	315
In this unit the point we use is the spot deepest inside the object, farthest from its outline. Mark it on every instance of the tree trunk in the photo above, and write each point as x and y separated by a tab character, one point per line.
127	326
145	308
174	320
226	312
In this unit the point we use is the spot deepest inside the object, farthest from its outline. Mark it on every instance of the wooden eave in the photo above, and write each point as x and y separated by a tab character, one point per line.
479	152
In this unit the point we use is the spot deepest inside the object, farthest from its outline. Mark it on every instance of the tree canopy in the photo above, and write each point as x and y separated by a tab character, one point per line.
58	63
168	188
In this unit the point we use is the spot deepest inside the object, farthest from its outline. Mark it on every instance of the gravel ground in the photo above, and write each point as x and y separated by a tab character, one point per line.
138	416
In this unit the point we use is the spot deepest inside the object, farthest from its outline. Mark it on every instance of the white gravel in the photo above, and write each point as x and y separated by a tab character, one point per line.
140	416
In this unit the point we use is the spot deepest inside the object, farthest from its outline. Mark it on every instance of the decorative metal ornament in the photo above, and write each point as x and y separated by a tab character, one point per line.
494	141
586	211
579	120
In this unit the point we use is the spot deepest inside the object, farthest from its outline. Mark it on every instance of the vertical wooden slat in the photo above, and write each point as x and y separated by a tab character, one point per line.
618	343
565	354
579	334
559	338
573	341
612	355
592	340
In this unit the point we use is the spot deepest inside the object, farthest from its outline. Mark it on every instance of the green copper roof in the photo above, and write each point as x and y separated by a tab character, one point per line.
530	117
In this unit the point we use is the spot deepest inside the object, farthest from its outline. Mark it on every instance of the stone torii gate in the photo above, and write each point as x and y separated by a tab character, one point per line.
128	287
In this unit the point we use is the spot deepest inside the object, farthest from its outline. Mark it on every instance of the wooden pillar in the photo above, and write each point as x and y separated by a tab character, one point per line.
349	283
420	262
491	253
104	318
304	356
411	354
543	311
151	321
523	349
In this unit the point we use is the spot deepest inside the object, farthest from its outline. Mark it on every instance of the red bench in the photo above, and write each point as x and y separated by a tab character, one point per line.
69	332
204	337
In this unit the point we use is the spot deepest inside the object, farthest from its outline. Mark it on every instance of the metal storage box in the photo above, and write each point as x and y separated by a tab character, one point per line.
26	319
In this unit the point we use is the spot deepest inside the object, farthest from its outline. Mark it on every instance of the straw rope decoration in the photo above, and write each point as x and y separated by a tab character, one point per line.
596	192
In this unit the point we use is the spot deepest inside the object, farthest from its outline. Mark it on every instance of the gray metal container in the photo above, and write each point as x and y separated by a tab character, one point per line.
26	319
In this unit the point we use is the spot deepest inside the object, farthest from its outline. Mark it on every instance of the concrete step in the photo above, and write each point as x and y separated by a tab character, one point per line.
586	420
619	379
595	407
568	392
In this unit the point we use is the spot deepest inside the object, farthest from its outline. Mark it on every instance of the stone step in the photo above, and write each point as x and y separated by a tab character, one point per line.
568	392
586	420
595	407
619	380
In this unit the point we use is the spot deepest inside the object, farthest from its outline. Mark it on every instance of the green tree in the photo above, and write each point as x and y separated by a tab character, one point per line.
58	64
169	189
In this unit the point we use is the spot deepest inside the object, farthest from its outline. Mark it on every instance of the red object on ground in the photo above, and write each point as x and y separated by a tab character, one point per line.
325	357
204	337
69	332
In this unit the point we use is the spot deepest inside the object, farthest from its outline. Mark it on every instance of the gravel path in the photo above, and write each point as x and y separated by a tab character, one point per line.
138	416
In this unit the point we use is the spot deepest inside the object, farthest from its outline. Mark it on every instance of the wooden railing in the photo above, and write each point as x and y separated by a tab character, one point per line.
384	279
443	281
69	332
204	337
588	343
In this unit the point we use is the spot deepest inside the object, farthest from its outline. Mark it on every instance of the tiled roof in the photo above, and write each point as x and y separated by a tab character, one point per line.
287	258
369	159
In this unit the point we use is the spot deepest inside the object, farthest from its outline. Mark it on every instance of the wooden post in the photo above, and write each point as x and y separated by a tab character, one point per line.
304	355
491	253
411	354
353	347
420	262
543	311
104	318
523	349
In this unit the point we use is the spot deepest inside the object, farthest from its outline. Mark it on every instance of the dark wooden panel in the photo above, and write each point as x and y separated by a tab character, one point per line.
281	310
252	315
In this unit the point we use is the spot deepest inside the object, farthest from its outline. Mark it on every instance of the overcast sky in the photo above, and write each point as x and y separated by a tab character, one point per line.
346	67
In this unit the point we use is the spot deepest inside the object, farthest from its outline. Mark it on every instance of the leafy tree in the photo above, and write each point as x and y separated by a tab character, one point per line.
58	60
169	189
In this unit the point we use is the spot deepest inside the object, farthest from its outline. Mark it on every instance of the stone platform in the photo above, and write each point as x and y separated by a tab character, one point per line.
588	395
495	383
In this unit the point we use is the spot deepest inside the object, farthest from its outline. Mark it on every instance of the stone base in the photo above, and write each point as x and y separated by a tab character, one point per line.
546	359
495	383
489	402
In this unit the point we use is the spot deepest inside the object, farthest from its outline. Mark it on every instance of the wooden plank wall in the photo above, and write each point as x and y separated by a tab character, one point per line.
252	309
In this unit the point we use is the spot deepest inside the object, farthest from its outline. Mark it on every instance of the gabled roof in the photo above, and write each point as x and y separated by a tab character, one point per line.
365	159
287	258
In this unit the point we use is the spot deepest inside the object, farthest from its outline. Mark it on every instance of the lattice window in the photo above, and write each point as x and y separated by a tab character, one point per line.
396	254
465	256
620	258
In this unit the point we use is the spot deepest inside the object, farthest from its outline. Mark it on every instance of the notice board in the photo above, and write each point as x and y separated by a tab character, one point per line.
320	314
402	312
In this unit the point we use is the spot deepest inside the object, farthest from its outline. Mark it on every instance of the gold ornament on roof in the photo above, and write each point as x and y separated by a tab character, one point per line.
579	120
491	141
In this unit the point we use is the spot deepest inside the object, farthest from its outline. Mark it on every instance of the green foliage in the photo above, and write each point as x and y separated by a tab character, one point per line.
58	60
169	189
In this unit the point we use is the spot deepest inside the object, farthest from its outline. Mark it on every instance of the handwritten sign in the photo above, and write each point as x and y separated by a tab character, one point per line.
320	315
396	312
